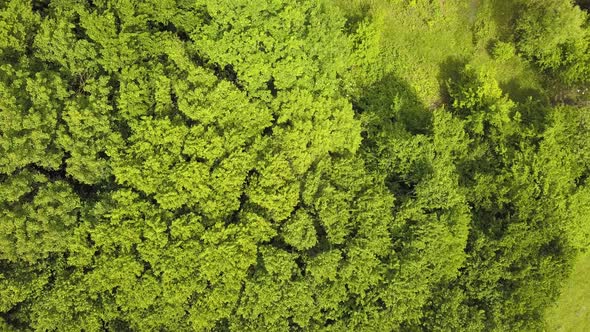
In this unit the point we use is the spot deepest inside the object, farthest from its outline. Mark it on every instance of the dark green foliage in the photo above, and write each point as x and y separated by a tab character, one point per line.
258	166
555	35
517	250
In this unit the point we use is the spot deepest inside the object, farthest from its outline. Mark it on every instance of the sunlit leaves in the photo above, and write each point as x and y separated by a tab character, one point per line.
200	165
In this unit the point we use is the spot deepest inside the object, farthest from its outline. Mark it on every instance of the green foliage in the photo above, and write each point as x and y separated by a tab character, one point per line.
517	245
564	160
299	231
554	34
503	51
281	165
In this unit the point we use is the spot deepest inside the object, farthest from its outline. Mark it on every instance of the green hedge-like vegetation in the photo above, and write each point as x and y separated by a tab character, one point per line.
291	165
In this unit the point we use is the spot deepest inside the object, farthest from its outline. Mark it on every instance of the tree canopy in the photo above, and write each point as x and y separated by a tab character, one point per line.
173	165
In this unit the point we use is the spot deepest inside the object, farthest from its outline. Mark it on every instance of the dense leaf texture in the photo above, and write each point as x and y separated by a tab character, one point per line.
199	166
555	35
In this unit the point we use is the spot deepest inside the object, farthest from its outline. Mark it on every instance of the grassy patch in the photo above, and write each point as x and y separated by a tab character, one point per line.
571	313
420	39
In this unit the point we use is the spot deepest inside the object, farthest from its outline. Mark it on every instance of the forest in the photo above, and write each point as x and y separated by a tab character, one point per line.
291	165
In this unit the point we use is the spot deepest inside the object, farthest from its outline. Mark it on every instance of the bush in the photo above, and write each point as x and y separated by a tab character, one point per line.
555	36
503	51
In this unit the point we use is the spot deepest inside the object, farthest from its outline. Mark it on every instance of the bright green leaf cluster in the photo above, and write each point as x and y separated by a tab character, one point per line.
258	166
